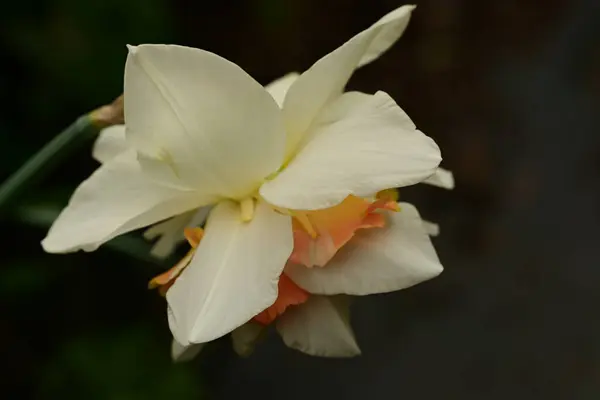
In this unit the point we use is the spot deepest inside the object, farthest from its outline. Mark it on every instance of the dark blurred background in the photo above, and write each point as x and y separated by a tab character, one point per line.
509	89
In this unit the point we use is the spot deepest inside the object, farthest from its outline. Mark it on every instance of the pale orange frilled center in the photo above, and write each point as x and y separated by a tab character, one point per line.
318	235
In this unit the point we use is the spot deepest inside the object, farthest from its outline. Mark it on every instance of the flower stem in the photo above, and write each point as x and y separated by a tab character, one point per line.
77	134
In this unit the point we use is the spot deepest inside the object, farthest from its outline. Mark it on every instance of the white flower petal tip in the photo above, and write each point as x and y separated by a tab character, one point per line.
396	21
181	353
442	178
366	143
325	80
319	327
246	337
115	199
382	260
279	87
234	273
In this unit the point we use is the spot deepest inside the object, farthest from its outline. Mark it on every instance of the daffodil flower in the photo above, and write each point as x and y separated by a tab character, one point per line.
203	132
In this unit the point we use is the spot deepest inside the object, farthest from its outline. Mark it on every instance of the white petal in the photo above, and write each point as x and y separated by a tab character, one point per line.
347	104
398	21
279	87
245	337
376	260
326	79
431	228
170	232
442	178
181	353
233	275
203	116
115	199
372	147
319	327
110	143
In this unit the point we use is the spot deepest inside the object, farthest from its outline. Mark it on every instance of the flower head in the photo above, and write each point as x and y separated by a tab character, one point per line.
200	132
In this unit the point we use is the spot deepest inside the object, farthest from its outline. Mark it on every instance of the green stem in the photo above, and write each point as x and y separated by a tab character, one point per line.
43	162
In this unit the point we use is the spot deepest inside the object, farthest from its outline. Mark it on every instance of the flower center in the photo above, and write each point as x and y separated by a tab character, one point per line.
318	235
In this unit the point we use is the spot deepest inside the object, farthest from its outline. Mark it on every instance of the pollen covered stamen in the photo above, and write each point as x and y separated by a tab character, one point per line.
247	209
166	278
303	219
388	200
388	194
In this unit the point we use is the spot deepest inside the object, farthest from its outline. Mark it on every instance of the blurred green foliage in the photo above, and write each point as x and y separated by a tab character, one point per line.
121	365
79	45
66	56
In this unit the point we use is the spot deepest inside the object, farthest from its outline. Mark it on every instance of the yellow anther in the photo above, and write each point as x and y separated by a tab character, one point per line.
306	224
247	209
168	276
388	194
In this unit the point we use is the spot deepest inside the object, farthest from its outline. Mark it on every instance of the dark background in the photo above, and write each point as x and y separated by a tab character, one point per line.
509	89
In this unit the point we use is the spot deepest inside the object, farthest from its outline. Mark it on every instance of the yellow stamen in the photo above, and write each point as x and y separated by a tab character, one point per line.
302	218
388	194
247	209
172	273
